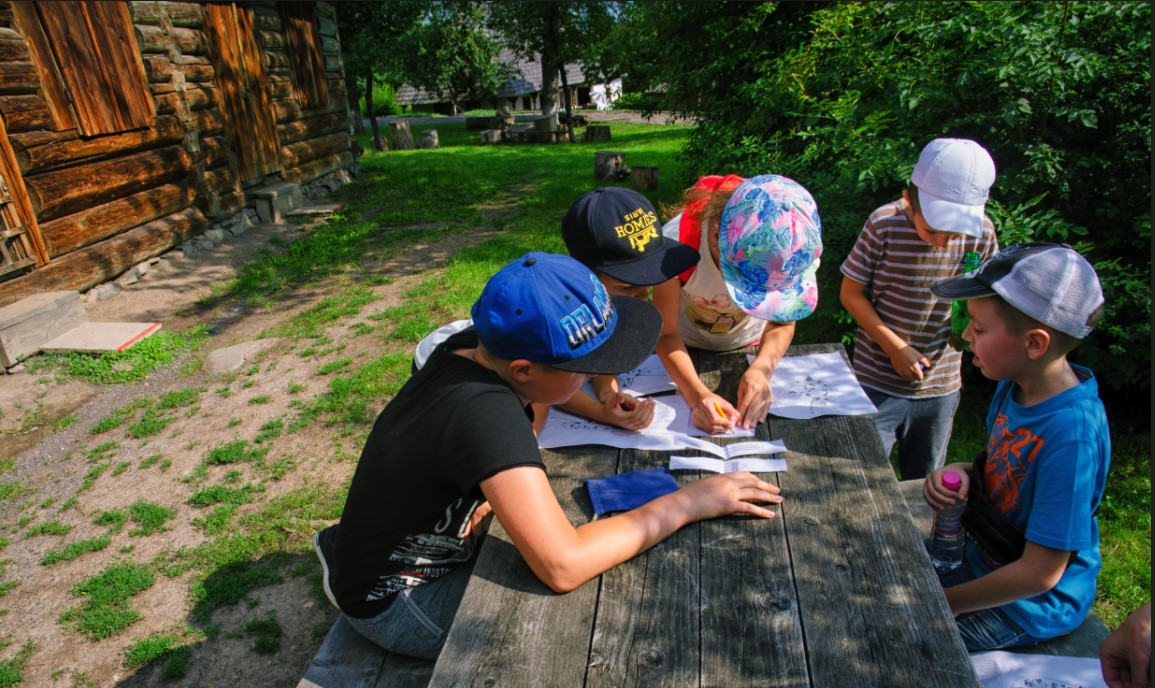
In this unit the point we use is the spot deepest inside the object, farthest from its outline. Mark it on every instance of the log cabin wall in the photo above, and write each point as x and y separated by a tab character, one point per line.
97	188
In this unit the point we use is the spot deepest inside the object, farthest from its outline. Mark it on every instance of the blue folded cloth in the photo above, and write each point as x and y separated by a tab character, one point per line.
626	491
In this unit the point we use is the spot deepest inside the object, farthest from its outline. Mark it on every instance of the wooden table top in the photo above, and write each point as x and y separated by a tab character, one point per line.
836	591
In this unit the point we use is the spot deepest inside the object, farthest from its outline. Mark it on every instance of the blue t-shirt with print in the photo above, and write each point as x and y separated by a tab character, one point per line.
1046	470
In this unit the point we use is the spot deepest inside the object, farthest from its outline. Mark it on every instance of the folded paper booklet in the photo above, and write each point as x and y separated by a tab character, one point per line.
735	457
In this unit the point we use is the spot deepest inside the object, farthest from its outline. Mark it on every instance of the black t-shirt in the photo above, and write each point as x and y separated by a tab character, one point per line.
452	425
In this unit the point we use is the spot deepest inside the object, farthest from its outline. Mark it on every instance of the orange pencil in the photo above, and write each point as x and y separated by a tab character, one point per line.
718	408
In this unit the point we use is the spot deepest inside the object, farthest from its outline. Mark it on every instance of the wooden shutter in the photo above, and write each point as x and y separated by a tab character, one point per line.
96	57
304	49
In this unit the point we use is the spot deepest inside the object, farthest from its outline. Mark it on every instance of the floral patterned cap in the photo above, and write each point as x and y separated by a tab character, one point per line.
769	243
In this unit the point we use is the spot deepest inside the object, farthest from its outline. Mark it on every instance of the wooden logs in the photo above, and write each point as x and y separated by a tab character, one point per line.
89	226
645	178
596	132
40	151
308	150
402	136
428	139
610	165
491	136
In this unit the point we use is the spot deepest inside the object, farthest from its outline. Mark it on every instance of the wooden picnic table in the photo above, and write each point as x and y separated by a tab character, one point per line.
836	591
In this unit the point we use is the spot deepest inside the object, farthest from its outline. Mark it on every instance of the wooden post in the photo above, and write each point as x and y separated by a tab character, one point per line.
491	136
645	178
596	132
402	136
610	165
428	139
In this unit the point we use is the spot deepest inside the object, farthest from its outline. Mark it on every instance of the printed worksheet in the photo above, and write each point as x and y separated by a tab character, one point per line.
740	456
650	377
1016	670
816	385
671	429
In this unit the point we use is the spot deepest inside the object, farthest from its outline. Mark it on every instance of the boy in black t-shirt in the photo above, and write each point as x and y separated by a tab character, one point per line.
457	444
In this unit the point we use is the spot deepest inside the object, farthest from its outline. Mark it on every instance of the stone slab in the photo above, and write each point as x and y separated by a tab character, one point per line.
27	324
233	357
101	337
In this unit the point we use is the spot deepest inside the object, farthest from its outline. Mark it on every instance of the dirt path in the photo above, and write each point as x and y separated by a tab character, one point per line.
51	461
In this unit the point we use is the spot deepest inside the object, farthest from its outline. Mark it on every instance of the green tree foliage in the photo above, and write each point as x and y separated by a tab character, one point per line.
374	37
453	55
842	97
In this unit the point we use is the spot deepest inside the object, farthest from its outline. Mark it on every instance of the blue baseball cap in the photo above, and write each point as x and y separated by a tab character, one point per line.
551	309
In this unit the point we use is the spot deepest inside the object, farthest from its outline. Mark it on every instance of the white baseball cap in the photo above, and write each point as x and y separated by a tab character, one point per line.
953	177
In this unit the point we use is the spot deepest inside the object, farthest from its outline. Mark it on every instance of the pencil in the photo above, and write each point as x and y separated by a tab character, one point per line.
718	408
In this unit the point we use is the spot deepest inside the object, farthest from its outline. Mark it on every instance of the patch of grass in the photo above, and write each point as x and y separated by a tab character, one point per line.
217	521
14	490
248	383
149	649
270	430
268	634
118	418
149	517
75	550
105	610
12	670
152	423
262	399
234	422
176	666
222	494
334	366
52	527
356	399
120	468
62	424
181	398
150	460
114	520
295	388
130	365
239	451
91	477
101	451
7	586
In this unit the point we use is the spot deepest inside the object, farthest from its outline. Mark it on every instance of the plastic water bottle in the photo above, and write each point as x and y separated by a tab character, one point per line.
946	536
959	319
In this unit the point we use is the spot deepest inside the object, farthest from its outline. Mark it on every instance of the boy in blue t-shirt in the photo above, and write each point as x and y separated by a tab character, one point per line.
1047	452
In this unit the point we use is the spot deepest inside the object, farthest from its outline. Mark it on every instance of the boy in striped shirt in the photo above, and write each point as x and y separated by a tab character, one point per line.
903	357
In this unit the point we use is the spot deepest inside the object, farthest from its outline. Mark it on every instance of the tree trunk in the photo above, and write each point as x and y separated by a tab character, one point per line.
550	64
645	178
354	109
568	105
377	142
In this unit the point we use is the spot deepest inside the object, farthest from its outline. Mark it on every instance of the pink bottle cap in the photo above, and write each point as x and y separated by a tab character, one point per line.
951	480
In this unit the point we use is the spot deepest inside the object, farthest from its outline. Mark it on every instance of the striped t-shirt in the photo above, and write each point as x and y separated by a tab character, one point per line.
898	268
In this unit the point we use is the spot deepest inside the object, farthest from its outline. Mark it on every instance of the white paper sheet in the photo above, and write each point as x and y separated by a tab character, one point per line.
670	429
650	377
1016	670
816	385
731	451
702	463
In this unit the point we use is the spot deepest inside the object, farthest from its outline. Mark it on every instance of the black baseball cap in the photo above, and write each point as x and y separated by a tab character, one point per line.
616	230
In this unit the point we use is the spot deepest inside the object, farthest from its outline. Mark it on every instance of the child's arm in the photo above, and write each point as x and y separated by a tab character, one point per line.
1125	655
754	393
1036	572
907	362
564	557
666	297
612	408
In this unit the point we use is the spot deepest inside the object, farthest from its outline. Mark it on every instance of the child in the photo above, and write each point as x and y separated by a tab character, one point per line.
456	444
614	232
754	279
902	357
1048	447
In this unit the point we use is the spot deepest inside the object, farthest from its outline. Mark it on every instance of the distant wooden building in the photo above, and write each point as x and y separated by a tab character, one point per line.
127	128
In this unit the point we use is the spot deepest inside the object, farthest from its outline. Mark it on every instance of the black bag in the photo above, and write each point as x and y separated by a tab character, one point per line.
1000	539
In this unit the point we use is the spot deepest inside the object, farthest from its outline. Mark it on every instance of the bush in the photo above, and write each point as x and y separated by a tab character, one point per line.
635	101
384	101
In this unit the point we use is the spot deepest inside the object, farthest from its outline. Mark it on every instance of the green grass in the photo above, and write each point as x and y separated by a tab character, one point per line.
105	610
130	365
12	670
52	527
267	634
149	518
75	549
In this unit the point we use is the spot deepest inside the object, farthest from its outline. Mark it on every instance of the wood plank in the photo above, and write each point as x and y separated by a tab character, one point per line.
32	321
751	625
506	607
647	622
67	148
311	170
858	562
84	228
101	337
28	23
68	190
10	171
297	154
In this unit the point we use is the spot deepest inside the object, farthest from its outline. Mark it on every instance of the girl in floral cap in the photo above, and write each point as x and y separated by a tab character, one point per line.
757	278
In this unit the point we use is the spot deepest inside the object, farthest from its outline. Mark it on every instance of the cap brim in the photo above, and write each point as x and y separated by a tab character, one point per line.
638	327
961	287
654	268
789	304
945	216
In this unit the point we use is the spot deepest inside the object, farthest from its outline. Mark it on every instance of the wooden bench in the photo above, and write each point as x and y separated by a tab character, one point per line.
348	660
1082	642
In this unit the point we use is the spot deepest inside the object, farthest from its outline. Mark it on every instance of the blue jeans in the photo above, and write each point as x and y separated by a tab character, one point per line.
921	427
986	629
418	619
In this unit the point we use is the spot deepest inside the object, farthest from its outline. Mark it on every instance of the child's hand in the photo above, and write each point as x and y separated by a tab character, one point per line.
936	495
1125	655
713	414
909	364
754	397
731	493
626	411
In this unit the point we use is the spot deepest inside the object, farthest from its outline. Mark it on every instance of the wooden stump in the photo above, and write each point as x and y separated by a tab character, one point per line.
610	165
546	125
645	178
428	139
491	136
402	136
596	132
378	143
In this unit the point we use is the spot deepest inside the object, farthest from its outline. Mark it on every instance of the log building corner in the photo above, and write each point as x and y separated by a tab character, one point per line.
129	127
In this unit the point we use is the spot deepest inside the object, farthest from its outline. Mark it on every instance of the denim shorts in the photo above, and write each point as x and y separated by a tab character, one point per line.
985	629
418	619
920	426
